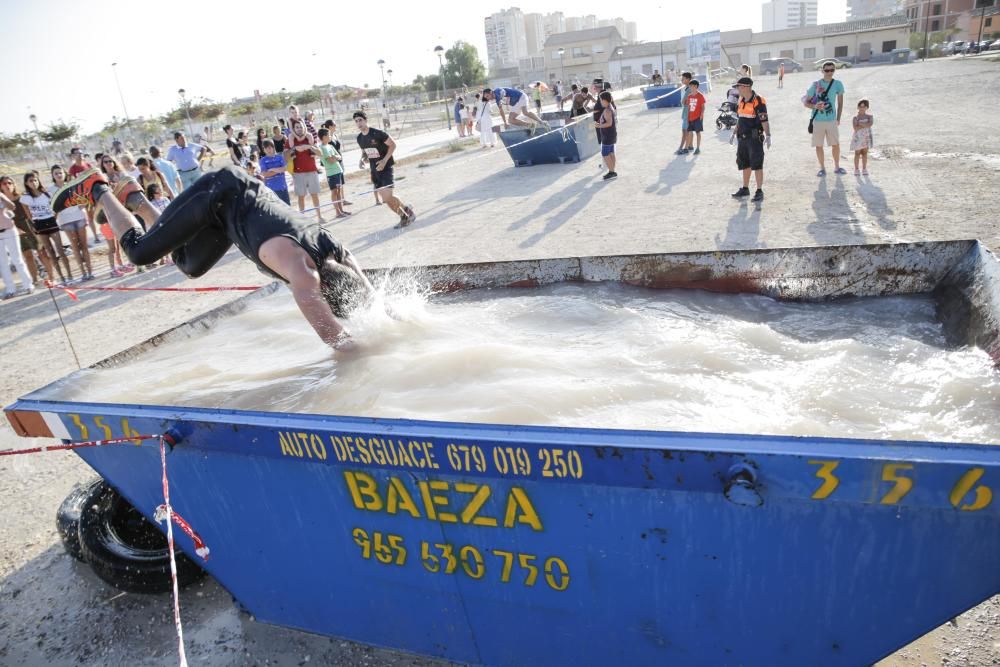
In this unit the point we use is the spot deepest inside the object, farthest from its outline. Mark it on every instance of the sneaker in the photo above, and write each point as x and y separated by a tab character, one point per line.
821	173
125	186
410	215
78	191
758	196
88	277
610	176
680	151
840	170
864	172
116	274
742	192
697	151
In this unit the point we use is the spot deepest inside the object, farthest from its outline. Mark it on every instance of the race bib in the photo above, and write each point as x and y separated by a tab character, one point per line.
372	153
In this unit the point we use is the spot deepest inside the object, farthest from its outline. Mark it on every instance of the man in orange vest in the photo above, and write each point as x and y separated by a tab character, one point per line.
753	132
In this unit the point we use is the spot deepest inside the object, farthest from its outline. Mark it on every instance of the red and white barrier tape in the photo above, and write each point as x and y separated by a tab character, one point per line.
200	547
71	291
77	445
163	512
173	561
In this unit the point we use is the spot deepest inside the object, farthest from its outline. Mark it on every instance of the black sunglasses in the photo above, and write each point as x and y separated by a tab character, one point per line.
830	70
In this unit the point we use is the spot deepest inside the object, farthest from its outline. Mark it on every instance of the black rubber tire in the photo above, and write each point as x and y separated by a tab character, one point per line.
68	517
126	550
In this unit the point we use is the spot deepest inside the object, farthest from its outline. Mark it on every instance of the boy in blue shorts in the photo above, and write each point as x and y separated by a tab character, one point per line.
272	170
686	80
334	171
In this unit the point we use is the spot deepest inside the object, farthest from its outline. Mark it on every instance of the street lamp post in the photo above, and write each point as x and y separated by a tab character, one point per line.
187	112
128	123
440	50
618	52
389	73
38	139
561	51
381	67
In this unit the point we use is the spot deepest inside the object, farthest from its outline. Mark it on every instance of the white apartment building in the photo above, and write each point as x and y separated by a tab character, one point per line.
627	29
506	39
534	32
870	9
785	14
512	37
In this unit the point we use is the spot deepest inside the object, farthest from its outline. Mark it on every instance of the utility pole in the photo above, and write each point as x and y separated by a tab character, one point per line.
927	22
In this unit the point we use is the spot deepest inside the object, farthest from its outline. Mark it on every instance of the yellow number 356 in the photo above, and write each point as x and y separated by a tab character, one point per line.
902	484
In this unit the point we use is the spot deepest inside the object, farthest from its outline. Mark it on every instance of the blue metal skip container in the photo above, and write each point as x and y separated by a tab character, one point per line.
658	97
520	545
567	143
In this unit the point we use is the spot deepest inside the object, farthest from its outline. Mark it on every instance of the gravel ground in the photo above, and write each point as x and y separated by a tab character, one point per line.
934	176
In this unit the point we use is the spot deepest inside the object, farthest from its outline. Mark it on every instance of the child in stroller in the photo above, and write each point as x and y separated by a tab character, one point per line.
727	110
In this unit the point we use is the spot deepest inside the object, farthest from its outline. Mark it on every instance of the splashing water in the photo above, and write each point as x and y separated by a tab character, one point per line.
588	355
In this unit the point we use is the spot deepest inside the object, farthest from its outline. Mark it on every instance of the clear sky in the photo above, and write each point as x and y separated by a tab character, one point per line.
58	53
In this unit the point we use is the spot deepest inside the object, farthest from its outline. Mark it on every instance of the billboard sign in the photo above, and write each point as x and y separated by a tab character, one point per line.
704	48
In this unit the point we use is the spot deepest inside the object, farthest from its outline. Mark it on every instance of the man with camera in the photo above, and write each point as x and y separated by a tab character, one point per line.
753	132
825	122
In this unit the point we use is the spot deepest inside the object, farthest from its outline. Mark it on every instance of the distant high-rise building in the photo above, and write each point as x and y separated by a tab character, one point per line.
782	14
513	37
619	24
506	41
871	9
534	33
554	23
631	33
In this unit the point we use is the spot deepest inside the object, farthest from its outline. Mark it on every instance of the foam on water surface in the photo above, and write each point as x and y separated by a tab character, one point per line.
602	355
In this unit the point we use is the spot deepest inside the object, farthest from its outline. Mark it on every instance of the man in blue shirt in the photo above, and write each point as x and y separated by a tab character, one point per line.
169	173
187	157
518	102
826	117
272	168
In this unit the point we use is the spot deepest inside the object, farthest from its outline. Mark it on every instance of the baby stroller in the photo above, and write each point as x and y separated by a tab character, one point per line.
727	110
727	116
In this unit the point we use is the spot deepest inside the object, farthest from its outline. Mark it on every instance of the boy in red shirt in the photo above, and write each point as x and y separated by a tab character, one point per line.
696	114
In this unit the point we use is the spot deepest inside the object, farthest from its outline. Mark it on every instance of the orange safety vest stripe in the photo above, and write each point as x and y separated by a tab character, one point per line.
748	109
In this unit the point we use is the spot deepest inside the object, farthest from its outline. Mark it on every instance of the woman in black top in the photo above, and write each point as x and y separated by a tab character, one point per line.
598	109
261	136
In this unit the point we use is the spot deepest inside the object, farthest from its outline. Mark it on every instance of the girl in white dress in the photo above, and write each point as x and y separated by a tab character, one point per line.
862	139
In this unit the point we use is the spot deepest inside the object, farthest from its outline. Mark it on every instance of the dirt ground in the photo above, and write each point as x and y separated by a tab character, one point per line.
934	175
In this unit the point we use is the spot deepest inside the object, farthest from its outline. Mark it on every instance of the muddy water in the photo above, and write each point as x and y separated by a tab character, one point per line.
595	355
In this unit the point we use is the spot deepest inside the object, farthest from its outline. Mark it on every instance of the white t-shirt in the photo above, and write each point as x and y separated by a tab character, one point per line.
68	215
40	207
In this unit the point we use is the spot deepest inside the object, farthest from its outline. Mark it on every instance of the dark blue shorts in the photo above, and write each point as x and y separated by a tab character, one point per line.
283	196
335	181
607	149
696	125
